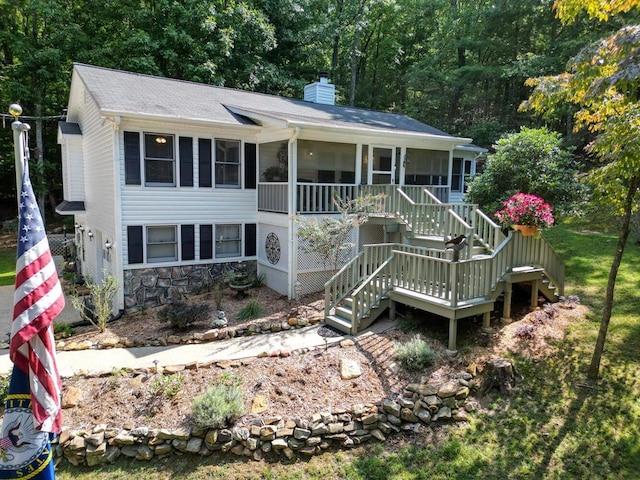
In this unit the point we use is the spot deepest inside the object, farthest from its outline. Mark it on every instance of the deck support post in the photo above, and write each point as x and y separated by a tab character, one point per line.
392	309
486	322
506	309
453	331
535	287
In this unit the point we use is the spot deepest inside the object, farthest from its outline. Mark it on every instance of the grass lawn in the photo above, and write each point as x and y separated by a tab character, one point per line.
557	426
7	266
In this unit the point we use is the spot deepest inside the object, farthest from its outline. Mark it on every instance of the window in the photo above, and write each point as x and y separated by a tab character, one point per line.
159	159
461	170
227	163
228	241
161	244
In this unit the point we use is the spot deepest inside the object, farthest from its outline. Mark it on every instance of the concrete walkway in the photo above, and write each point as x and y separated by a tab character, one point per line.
102	361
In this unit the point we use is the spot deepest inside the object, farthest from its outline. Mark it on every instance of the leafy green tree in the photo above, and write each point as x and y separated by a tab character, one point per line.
530	161
603	82
330	236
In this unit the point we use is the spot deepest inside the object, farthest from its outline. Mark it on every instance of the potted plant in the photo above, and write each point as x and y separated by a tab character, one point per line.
525	212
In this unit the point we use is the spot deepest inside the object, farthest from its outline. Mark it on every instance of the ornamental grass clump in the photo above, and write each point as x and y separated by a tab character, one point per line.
525	209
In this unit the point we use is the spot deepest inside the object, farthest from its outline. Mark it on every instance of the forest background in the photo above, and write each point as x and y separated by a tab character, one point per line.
457	65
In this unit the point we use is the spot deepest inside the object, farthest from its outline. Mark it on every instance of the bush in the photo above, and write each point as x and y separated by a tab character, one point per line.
525	331
218	406
415	354
529	161
4	387
250	311
62	330
182	315
169	385
97	308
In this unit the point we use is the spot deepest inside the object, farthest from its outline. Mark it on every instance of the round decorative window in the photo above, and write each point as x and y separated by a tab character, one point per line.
272	248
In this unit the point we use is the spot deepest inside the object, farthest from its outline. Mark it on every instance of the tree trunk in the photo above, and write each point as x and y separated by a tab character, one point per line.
501	375
594	368
354	67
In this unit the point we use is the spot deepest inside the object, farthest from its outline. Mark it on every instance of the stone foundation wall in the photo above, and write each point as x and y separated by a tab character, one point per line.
150	287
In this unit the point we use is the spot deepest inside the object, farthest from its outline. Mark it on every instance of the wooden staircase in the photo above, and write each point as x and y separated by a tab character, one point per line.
429	278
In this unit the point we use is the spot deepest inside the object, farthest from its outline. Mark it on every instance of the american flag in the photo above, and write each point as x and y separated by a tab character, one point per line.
38	300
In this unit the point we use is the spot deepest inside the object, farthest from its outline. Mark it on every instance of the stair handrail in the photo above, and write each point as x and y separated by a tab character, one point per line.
458	226
431	197
373	288
488	232
353	272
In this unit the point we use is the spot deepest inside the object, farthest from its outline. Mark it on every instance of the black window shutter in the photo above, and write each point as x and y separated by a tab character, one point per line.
204	162
134	244
206	242
132	158
186	161
250	165
250	247
188	242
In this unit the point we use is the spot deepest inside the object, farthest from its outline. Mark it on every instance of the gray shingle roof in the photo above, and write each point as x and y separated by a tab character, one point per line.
125	93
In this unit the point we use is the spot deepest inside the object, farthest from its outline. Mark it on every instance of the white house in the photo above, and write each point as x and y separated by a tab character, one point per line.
172	183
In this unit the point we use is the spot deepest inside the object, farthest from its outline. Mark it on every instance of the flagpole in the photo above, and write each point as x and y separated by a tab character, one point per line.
18	144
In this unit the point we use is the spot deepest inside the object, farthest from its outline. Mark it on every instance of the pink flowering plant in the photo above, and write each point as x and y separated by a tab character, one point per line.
525	209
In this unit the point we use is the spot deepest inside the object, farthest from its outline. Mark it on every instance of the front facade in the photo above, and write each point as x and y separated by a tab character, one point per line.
173	183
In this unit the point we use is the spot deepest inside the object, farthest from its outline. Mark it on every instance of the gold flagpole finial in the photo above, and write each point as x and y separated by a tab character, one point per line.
15	110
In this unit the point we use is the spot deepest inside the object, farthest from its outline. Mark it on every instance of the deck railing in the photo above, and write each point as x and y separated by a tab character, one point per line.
432	273
487	232
318	197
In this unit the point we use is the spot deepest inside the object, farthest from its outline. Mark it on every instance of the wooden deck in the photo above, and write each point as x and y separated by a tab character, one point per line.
430	279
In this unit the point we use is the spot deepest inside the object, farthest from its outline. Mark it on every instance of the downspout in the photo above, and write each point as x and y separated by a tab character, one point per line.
292	182
117	249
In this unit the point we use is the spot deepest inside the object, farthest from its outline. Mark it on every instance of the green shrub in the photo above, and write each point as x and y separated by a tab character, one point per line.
218	406
181	314
62	330
415	354
250	311
4	387
259	280
168	385
97	308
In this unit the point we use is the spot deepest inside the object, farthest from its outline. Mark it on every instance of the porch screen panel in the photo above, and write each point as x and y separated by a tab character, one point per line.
186	161
187	240
135	247
132	158
204	162
206	242
250	165
250	238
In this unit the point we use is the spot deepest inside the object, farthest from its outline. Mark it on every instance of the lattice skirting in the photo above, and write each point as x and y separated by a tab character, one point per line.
150	287
312	282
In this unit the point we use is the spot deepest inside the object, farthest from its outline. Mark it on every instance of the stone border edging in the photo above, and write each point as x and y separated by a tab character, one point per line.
421	405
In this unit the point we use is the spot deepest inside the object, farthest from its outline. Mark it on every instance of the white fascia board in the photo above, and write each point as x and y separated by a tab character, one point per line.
176	120
371	132
471	148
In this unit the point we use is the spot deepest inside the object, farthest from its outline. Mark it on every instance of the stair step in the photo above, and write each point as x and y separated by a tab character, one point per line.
338	323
